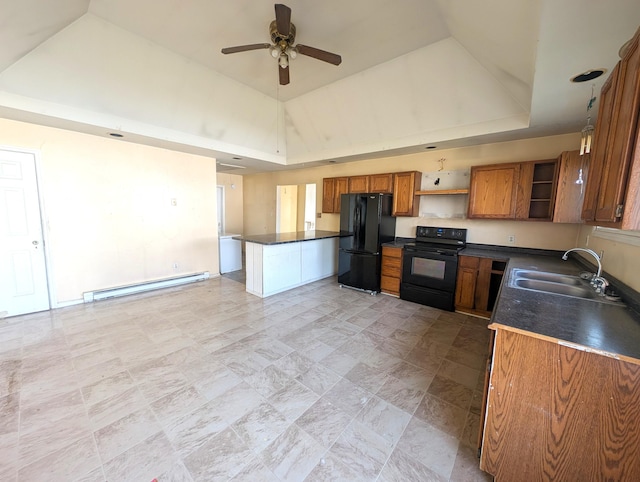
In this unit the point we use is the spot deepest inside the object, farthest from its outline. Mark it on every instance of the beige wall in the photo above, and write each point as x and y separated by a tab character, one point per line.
620	260
233	202
109	214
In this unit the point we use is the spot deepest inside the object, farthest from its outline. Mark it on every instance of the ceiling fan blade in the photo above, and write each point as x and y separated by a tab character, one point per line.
244	48
284	75
323	55
283	19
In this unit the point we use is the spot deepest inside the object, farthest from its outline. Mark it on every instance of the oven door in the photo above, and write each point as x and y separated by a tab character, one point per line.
436	270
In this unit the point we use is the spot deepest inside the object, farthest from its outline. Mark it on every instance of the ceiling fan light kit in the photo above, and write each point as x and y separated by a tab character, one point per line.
283	35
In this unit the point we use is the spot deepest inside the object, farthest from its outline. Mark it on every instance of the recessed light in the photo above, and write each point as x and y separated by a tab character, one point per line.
332	161
431	147
588	75
237	158
115	134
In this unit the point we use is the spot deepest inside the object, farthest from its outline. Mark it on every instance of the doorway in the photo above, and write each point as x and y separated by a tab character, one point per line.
295	208
23	280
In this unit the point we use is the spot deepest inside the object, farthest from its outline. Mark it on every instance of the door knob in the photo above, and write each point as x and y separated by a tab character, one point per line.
35	243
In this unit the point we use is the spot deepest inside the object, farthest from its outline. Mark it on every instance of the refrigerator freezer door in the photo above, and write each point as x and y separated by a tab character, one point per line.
359	270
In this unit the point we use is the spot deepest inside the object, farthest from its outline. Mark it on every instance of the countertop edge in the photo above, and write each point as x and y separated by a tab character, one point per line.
286	238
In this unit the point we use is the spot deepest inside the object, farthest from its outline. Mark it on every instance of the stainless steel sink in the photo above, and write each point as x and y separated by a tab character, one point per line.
555	283
557	288
564	279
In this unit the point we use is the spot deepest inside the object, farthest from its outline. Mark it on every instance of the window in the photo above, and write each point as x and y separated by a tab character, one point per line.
618	235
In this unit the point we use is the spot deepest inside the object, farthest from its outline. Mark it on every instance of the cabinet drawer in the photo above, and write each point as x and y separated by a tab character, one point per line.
390	285
390	252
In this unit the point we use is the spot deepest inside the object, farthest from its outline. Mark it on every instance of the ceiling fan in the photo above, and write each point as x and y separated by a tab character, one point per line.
283	34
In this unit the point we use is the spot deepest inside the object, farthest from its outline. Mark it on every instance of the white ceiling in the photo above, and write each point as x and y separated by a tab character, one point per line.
414	73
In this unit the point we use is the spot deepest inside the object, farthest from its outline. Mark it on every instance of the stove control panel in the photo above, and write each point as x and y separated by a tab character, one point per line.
445	235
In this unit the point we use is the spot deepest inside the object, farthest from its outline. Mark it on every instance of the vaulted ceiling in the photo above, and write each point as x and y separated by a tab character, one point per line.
414	73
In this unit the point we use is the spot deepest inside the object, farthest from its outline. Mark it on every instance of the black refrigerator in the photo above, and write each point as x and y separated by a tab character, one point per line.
365	223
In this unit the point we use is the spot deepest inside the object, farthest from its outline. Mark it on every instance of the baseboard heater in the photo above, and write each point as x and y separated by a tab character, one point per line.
98	295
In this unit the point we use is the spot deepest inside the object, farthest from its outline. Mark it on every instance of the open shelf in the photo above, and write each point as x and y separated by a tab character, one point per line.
442	191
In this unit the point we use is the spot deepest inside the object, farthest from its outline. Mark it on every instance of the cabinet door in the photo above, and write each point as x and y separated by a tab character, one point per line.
600	145
405	200
621	137
342	187
382	183
328	195
358	184
467	281
493	191
569	195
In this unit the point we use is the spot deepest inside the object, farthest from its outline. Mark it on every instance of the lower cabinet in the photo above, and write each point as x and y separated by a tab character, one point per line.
477	284
391	270
555	412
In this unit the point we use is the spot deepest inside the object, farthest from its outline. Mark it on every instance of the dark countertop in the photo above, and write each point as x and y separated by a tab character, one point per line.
609	329
398	242
282	238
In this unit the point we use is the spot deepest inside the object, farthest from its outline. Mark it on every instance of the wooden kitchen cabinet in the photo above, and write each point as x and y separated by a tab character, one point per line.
519	190
359	184
391	271
477	284
555	412
406	201
537	190
569	195
613	185
381	183
493	191
332	189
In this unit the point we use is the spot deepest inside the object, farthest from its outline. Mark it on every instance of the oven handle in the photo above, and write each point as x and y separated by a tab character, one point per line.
429	254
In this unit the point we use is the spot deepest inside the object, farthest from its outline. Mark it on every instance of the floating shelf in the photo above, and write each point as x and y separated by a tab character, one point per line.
442	191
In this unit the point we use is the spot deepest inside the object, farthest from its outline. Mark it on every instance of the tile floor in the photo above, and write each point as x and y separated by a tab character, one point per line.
206	382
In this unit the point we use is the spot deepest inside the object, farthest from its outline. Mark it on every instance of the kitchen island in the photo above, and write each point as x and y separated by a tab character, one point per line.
563	384
281	261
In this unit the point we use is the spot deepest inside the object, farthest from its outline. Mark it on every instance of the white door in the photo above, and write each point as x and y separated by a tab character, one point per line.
23	273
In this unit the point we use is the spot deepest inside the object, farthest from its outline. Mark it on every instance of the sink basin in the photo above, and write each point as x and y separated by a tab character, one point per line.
552	277
557	284
557	288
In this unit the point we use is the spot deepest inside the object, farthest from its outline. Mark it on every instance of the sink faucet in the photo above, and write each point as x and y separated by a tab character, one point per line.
591	252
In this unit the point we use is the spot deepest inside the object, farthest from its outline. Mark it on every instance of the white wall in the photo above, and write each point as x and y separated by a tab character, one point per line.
109	214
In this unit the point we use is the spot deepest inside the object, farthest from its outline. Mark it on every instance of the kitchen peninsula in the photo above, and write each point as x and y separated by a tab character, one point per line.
281	261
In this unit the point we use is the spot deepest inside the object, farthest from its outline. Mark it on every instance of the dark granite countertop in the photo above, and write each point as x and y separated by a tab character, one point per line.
398	242
604	328
282	238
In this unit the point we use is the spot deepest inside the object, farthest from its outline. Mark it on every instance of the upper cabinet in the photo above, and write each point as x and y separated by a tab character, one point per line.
405	198
403	185
359	184
332	189
522	190
382	183
493	191
612	196
570	192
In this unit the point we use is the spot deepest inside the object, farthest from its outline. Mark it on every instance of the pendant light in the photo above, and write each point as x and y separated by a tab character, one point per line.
586	139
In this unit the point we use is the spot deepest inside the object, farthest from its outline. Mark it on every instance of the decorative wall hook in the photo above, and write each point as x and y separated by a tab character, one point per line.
441	161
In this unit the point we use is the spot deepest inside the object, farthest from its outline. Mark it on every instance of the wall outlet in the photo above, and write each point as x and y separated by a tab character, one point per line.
174	201
175	265
511	238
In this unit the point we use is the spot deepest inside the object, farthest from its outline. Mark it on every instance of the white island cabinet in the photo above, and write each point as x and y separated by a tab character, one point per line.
280	262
